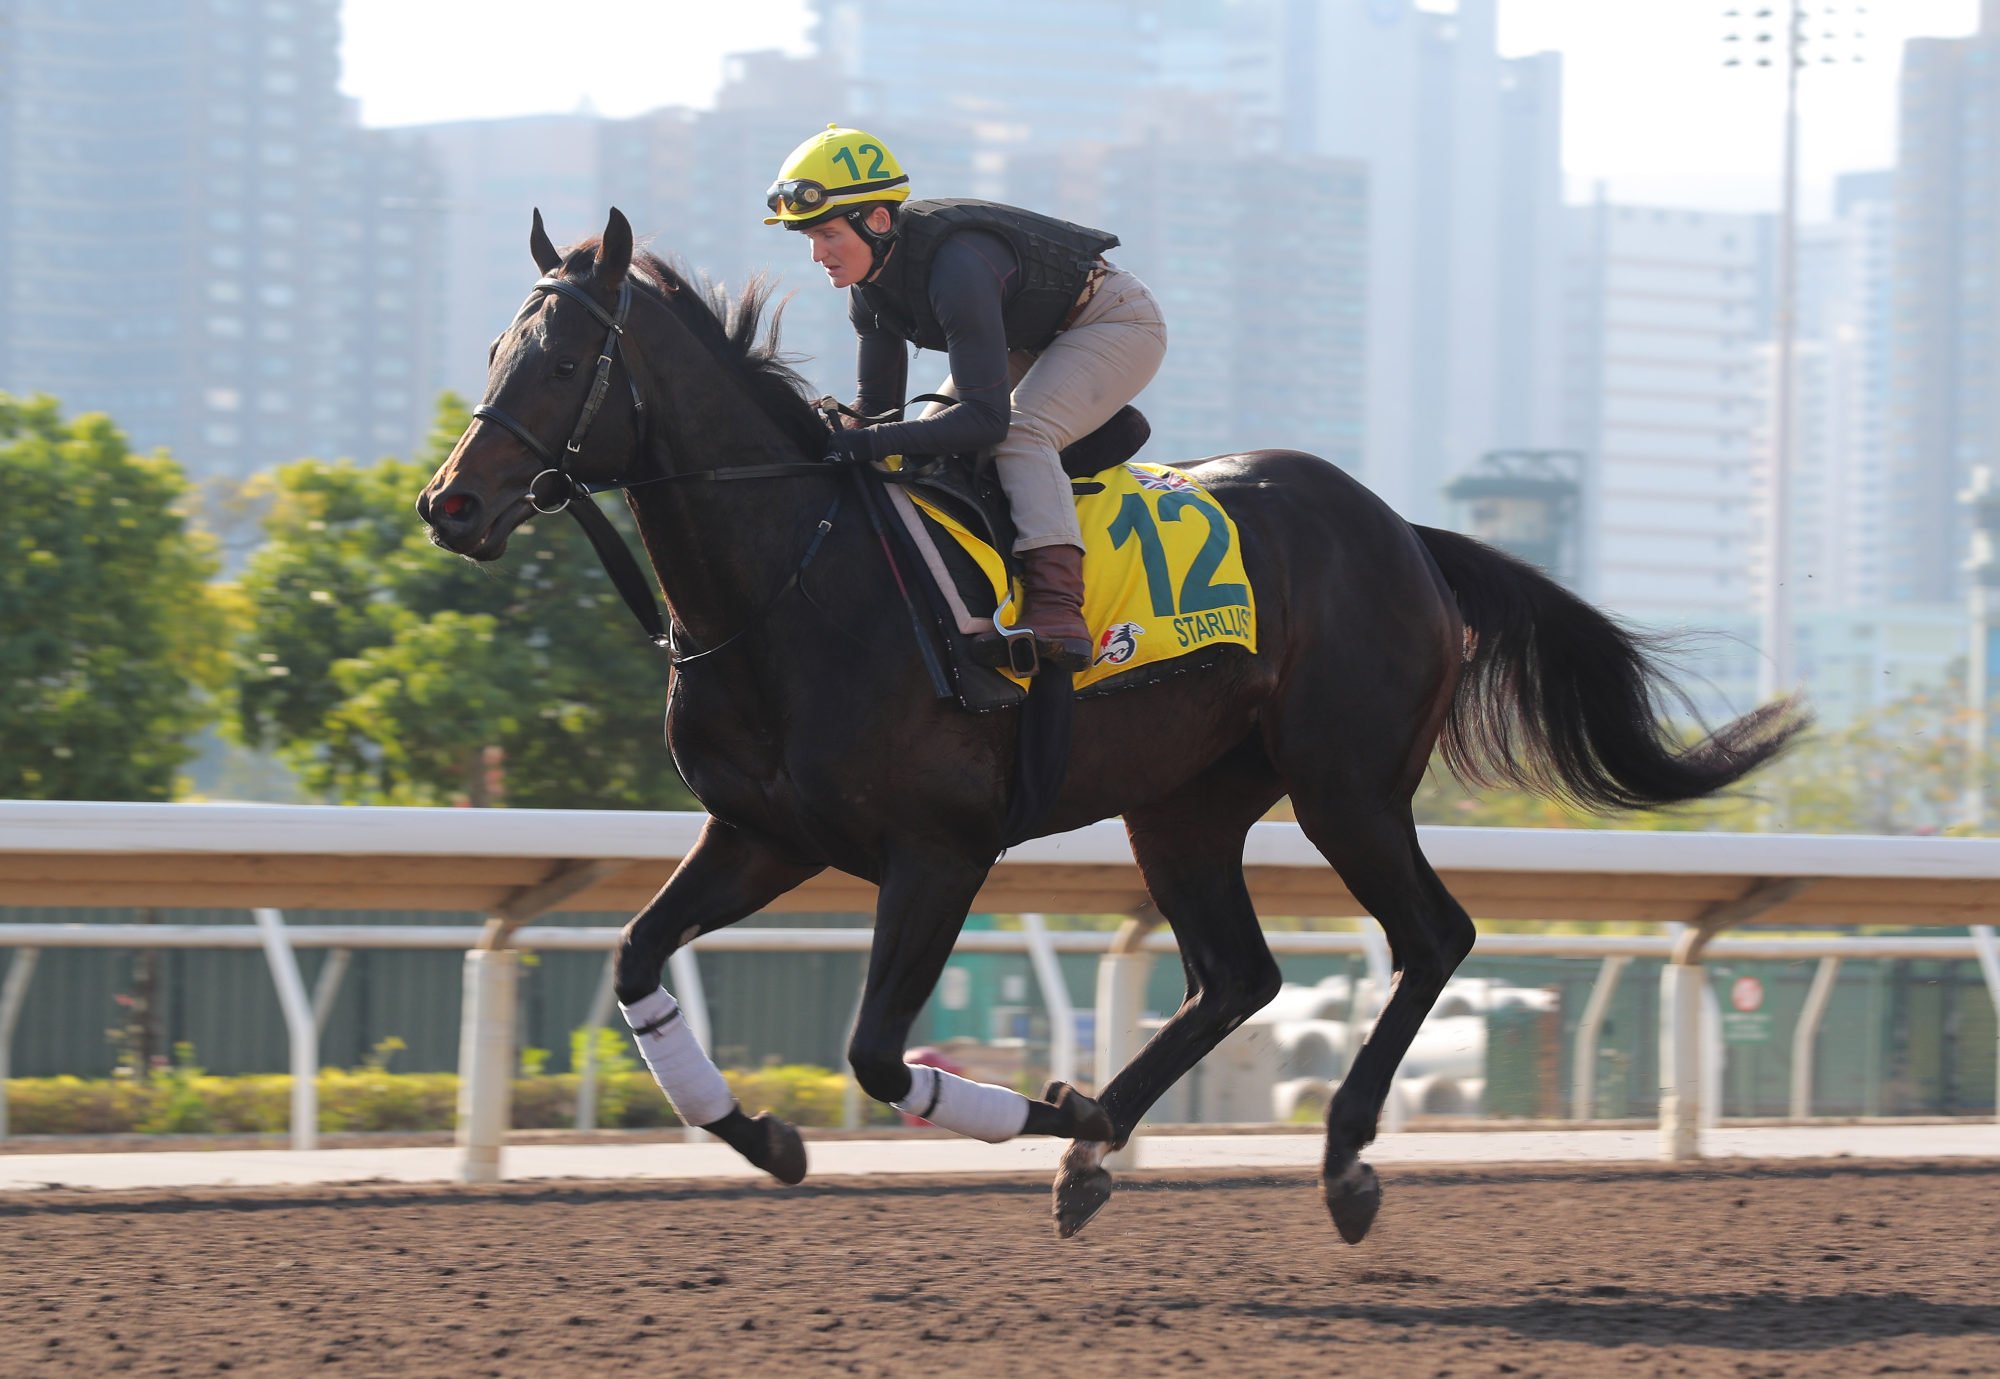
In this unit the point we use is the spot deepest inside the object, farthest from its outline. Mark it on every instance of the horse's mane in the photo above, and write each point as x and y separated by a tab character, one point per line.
734	331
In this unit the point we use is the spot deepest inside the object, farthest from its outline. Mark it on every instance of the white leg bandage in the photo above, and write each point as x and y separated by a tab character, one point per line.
978	1109
693	1085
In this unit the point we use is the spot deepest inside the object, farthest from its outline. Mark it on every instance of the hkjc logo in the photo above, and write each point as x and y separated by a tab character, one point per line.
1119	644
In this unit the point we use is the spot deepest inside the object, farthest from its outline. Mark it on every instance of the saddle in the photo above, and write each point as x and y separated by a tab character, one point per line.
950	536
968	486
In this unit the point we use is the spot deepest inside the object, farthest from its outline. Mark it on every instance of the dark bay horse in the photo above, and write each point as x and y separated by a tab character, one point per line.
803	719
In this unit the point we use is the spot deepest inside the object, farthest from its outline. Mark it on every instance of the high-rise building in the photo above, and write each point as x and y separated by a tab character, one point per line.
1261	278
1855	648
1669	397
375	285
769	104
1666	402
1945	362
1462	154
492	176
692	184
1459	149
191	219
1840	471
1031	74
1528	243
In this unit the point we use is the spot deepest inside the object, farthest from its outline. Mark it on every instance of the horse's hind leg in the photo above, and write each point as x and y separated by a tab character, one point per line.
729	873
1377	855
1190	850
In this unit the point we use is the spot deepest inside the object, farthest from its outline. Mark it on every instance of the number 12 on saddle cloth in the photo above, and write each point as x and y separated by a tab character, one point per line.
1162	569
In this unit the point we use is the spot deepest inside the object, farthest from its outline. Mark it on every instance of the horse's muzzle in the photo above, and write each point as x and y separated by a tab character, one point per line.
462	523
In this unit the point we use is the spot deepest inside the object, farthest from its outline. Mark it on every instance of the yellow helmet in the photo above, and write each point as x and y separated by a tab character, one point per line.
831	171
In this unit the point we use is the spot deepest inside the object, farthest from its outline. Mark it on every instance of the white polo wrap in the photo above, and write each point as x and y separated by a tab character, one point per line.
694	1086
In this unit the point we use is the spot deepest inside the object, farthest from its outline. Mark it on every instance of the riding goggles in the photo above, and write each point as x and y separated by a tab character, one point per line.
799	195
803	196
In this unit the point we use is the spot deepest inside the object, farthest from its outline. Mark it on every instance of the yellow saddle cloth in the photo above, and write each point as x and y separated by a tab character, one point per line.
1162	570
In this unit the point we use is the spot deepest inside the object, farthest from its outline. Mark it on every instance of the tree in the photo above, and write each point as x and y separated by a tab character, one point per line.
1902	769
385	670
110	639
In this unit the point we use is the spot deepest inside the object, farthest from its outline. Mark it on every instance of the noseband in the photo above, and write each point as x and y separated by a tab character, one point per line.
551	490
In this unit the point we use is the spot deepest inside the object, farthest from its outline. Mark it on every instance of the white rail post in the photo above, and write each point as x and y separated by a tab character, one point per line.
1680	1059
1583	1059
327	989
693	1001
1690	1047
594	1020
299	1024
1690	1058
1989	965
1713	1057
486	1062
1686	1069
13	996
1805	1038
1121	1005
486	1023
1055	995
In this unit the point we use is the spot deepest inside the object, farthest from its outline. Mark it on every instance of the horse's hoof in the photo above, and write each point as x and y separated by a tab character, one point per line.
1087	1120
1079	1195
1352	1199
784	1156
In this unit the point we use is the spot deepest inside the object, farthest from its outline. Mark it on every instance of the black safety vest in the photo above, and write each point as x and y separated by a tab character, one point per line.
1055	256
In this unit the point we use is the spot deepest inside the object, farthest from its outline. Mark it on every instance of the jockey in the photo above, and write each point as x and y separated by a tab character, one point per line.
1045	339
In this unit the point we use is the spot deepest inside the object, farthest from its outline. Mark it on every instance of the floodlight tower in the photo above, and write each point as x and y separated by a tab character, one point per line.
1760	38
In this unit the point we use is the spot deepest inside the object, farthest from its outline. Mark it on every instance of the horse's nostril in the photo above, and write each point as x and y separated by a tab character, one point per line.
457	505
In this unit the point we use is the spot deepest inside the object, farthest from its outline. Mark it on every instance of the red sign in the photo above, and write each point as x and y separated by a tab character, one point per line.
1747	994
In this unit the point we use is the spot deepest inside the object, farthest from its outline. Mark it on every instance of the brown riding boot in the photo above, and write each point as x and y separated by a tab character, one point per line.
1052	605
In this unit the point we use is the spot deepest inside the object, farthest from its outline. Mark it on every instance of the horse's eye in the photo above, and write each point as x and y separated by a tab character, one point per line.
565	367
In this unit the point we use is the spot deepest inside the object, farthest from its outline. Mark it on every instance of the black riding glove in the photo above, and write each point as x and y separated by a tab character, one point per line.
852	442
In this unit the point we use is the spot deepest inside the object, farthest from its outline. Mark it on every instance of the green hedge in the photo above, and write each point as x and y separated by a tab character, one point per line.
188	1101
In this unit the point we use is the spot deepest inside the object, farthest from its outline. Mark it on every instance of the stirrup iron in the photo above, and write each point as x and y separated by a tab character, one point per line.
1011	649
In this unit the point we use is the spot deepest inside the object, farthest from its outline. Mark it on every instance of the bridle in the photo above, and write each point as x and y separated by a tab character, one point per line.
561	480
557	487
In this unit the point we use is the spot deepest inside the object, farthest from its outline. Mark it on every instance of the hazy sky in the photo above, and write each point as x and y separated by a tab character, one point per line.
1649	107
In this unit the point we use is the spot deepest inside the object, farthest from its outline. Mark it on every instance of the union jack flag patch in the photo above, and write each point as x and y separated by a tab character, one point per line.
1160	483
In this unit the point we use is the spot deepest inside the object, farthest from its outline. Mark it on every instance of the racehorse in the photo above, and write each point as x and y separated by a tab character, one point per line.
800	713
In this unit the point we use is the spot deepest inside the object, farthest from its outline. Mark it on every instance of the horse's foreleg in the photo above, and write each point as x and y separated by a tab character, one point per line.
924	899
1429	935
727	875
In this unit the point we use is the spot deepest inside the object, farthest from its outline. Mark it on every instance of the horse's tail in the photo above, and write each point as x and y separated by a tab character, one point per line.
1560	699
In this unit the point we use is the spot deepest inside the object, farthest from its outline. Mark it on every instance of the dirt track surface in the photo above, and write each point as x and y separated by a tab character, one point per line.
1821	1269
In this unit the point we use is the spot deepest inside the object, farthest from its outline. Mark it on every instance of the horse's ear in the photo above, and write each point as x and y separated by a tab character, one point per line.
546	257
614	251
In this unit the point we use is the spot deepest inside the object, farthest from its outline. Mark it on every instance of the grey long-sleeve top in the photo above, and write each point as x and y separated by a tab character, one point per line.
972	278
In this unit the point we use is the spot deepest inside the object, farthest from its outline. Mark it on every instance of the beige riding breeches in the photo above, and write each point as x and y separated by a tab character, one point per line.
1105	358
